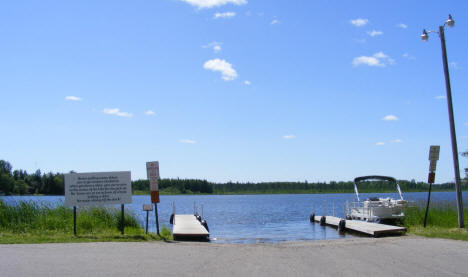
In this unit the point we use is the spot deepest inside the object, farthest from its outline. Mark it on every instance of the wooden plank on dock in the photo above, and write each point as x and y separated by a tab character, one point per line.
373	229
187	226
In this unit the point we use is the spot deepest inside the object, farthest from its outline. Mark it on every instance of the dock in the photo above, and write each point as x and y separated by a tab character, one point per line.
369	228
187	226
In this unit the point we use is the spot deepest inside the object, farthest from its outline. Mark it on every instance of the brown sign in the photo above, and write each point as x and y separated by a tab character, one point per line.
155	196
431	178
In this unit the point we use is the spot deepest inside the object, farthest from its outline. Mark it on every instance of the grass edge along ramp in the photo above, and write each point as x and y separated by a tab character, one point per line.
30	222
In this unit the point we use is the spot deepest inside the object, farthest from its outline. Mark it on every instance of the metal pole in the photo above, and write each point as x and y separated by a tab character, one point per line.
74	220
427	206
461	223
122	219
156	214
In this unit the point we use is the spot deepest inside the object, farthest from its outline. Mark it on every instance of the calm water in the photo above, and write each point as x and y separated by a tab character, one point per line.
252	218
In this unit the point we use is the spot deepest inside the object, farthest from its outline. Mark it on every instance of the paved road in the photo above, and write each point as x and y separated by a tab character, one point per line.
405	256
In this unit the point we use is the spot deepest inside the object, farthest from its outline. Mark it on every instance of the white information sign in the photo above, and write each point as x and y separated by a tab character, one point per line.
433	166
98	188
434	152
152	172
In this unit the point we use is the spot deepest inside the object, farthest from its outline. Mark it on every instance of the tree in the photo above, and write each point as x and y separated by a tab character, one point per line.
5	167
20	187
6	183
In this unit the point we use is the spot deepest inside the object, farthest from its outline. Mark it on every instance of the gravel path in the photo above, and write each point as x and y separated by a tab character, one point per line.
395	256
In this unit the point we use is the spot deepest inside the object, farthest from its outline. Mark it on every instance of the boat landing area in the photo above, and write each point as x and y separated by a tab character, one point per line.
369	228
391	256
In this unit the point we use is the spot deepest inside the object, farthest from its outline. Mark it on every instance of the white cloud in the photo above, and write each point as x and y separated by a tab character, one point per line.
73	98
359	22
149	112
216	46
289	136
440	97
401	25
374	33
378	59
466	123
227	72
408	56
397	141
224	15
390	117
370	61
206	4
274	21
454	65
189	141
247	83
117	112
380	143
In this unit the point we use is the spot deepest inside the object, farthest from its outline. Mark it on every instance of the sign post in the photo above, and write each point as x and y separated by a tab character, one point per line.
433	157
98	188
152	171
147	208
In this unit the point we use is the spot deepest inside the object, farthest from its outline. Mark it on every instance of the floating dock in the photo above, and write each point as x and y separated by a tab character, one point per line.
188	227
369	228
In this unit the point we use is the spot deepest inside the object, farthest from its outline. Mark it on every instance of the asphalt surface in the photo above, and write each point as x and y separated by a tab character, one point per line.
395	256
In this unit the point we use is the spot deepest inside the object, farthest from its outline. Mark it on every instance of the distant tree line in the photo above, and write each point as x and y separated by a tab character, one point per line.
19	182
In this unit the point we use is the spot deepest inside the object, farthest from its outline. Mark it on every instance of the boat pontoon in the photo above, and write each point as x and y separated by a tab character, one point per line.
375	209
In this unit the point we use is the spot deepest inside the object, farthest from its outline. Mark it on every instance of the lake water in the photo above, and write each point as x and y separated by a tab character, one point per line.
252	218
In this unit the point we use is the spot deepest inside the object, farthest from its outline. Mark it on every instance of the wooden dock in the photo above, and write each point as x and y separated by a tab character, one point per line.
369	228
187	226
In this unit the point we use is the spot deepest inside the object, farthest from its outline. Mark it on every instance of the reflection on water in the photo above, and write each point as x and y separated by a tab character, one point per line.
252	218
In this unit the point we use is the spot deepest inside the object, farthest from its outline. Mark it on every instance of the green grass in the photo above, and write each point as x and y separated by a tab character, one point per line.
442	221
29	222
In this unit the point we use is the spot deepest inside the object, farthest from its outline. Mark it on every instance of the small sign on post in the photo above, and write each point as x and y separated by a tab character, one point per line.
147	208
152	171
433	157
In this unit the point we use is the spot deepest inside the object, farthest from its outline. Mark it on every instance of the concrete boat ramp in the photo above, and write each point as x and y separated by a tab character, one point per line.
189	227
368	228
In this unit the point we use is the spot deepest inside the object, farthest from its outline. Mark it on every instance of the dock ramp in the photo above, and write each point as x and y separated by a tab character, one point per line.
369	228
188	227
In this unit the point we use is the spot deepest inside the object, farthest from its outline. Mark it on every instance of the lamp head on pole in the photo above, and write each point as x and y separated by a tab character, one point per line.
424	35
450	22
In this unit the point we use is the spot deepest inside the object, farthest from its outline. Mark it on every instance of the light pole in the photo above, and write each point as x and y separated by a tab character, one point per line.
425	36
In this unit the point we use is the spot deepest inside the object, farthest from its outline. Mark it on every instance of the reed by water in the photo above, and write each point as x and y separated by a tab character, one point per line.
442	220
34	222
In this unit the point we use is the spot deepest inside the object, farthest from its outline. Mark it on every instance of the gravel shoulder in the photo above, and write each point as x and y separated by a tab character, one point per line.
394	256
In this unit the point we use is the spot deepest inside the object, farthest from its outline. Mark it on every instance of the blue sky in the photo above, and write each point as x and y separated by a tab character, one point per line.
237	90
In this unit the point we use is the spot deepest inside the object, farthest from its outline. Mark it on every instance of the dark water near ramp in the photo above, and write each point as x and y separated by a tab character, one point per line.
253	218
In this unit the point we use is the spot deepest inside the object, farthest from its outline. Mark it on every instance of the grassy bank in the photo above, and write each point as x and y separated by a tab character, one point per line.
442	221
28	222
